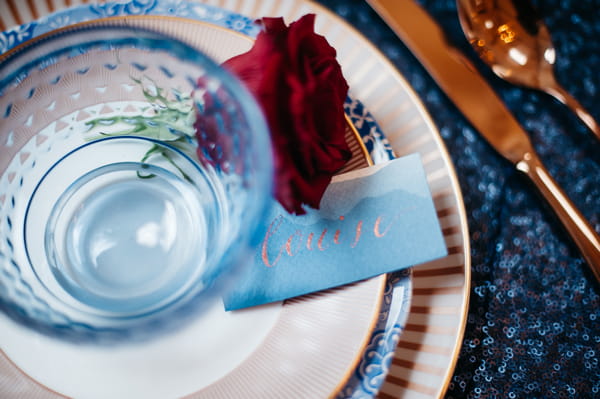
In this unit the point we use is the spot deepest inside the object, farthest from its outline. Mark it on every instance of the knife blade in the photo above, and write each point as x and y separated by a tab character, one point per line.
477	101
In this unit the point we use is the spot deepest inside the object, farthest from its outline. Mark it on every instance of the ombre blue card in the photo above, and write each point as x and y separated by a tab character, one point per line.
372	221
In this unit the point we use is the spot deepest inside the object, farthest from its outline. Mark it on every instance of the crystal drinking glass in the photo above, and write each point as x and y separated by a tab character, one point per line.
135	174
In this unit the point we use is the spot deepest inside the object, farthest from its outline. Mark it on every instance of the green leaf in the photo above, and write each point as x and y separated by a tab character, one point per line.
168	120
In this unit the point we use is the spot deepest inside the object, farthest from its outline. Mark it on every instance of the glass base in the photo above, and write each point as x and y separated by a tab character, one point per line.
122	237
129	235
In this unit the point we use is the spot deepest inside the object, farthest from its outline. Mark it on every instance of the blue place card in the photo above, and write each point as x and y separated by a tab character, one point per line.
372	221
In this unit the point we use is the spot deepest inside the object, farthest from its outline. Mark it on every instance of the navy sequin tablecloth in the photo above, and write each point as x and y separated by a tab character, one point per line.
533	326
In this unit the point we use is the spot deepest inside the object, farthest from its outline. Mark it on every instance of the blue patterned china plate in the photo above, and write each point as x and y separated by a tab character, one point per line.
370	367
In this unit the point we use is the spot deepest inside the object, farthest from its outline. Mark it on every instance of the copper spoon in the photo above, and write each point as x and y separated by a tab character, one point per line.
509	36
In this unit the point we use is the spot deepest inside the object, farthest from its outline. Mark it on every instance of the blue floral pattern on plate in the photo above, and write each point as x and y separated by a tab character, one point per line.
375	141
374	365
180	8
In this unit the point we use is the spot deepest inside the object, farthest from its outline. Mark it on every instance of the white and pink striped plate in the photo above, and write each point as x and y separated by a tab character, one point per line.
428	347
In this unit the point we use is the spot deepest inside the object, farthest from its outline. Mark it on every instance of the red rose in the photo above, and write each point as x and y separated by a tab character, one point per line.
294	75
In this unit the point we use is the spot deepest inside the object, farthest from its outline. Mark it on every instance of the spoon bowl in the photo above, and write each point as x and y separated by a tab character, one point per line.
510	37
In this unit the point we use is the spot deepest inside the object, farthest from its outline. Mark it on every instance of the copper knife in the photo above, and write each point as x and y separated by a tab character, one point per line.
478	102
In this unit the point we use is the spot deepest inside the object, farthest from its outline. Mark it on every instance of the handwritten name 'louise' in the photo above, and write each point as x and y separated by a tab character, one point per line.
277	244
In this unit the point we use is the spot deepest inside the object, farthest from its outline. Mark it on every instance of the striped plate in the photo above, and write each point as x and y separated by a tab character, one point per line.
426	354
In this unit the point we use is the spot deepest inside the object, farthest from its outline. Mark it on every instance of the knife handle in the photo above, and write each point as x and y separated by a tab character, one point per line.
582	233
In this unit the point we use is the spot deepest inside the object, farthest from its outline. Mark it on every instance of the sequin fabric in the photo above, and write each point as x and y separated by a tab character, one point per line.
533	327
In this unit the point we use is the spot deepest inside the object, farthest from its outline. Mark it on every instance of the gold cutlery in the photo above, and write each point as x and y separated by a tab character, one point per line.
514	42
473	96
